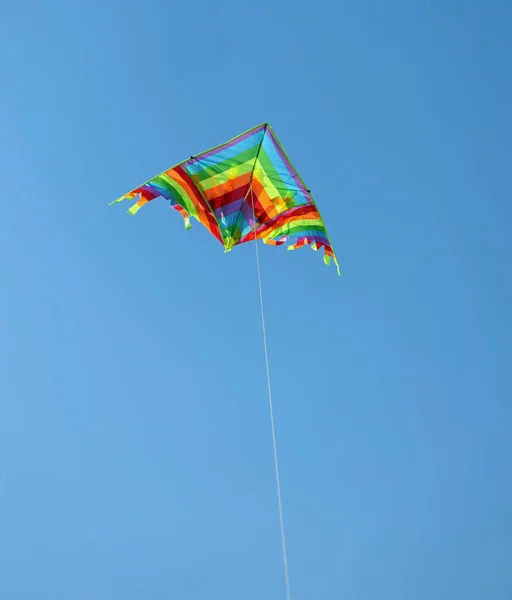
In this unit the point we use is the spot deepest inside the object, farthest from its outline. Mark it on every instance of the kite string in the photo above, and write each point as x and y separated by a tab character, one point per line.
276	464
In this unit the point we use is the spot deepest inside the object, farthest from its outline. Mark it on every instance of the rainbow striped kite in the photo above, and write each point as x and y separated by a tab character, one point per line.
243	190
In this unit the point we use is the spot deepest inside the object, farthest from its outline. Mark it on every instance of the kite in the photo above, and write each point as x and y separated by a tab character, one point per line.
246	189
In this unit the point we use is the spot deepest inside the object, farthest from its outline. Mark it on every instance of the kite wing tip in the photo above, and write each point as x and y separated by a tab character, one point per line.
120	199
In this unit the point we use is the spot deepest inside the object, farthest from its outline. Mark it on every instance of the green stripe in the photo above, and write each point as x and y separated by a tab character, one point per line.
274	175
296	229
179	194
239	159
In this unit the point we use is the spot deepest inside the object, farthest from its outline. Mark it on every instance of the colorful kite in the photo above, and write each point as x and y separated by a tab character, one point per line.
243	190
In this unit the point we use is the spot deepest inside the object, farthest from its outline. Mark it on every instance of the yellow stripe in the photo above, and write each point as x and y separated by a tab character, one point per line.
273	193
225	176
293	223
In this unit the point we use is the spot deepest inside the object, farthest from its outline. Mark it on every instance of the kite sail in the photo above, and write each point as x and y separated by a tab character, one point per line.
242	190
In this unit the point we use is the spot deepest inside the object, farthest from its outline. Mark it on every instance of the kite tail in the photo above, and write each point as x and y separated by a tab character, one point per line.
184	214
312	242
142	199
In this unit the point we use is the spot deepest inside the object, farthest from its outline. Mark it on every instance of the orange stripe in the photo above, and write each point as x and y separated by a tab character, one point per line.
229	186
184	184
263	198
204	217
309	216
192	195
278	202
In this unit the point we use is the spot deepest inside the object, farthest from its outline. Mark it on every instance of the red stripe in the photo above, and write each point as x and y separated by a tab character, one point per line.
212	221
228	197
231	184
146	194
308	211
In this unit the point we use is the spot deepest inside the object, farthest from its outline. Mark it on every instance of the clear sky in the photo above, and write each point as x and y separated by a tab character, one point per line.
135	447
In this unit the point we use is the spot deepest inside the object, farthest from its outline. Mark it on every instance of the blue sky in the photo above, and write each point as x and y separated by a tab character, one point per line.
135	447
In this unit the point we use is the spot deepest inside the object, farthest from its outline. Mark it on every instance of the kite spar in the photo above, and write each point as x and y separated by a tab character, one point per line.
244	190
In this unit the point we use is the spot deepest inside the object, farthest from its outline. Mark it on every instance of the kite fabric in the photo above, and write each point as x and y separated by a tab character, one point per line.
243	190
